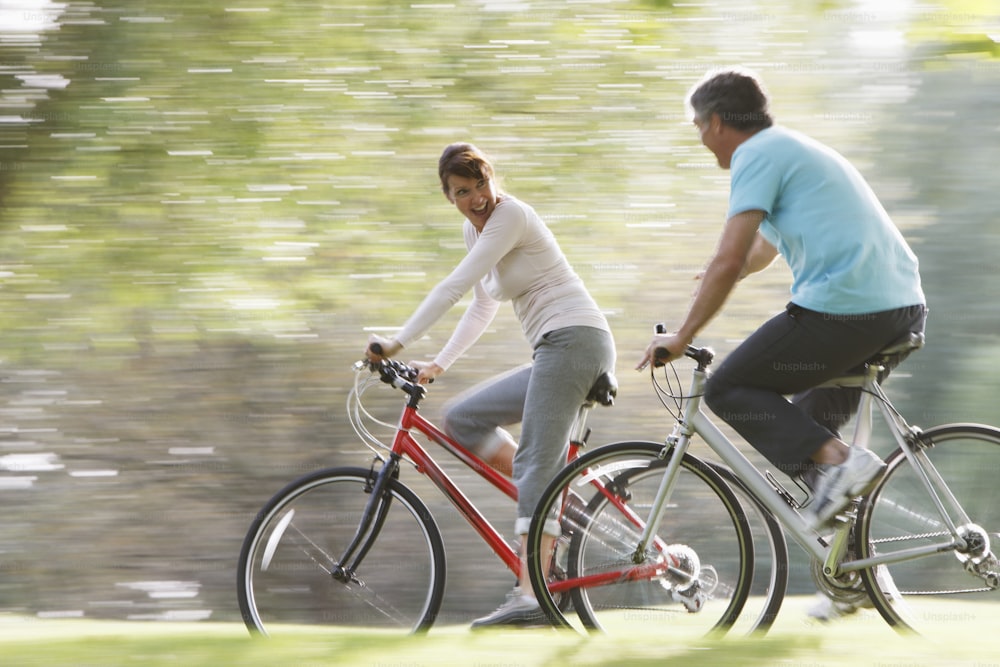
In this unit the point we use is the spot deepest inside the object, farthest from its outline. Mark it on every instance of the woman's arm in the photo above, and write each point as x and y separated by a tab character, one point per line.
500	235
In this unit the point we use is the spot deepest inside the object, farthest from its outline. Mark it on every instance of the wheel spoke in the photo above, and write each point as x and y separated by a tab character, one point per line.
941	593
696	570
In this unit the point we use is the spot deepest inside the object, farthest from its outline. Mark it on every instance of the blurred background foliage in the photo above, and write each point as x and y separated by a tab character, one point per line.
206	206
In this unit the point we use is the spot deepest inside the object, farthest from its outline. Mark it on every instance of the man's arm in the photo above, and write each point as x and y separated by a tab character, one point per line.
762	254
727	266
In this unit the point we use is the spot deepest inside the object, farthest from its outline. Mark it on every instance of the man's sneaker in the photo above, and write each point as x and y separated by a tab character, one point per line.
837	485
518	611
826	609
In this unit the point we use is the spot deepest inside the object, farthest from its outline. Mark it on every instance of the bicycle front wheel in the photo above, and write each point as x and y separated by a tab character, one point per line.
289	570
951	592
692	578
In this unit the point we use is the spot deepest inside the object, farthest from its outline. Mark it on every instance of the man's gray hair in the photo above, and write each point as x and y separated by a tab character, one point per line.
736	94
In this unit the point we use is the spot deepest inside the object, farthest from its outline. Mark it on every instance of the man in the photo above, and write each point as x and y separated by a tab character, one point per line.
856	288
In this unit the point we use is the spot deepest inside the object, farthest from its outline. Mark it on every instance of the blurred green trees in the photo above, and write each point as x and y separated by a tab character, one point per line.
204	205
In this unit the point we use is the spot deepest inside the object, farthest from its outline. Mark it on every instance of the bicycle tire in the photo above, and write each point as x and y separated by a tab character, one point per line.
705	525
768	591
284	572
935	595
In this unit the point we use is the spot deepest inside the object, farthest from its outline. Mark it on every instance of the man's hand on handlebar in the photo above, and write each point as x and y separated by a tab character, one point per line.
669	343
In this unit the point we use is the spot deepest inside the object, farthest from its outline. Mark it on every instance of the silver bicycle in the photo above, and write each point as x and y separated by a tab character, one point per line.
652	549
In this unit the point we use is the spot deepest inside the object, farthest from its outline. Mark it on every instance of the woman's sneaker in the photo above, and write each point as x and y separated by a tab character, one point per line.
838	485
518	611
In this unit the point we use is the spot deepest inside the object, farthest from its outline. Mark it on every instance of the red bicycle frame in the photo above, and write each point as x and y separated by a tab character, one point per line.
404	444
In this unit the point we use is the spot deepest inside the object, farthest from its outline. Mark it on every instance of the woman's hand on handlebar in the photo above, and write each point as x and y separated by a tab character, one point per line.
426	371
380	348
673	344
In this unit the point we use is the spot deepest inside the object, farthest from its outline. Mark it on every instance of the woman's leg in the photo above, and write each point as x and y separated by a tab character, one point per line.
476	418
567	362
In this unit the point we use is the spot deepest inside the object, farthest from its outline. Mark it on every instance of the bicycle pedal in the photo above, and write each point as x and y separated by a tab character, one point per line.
692	603
697	594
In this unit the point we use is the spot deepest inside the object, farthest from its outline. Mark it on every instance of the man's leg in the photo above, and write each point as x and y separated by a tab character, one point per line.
791	353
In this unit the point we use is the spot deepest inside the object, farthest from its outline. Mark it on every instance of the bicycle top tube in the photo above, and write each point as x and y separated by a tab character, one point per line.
404	377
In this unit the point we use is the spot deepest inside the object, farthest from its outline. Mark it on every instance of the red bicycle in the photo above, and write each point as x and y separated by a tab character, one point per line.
354	546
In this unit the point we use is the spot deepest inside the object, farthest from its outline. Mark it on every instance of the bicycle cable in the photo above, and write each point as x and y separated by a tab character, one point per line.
670	393
359	416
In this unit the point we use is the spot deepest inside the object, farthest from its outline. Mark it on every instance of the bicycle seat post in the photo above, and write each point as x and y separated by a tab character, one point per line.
579	433
863	422
603	392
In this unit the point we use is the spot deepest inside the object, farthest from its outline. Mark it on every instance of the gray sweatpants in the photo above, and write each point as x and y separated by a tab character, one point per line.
544	397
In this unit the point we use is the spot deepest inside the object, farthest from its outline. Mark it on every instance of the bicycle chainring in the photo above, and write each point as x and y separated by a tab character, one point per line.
848	588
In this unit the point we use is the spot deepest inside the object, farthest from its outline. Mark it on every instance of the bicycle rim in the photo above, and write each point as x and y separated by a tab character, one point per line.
285	579
693	579
770	577
948	594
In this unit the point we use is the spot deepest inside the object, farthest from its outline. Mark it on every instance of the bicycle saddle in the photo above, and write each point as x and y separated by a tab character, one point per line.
911	341
604	390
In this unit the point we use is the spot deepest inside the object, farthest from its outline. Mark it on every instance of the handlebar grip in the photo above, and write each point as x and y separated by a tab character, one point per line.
660	353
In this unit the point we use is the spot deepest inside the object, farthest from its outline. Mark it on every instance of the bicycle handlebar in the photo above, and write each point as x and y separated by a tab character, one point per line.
395	373
703	355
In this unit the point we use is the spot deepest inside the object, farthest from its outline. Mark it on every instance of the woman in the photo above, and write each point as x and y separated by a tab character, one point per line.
512	256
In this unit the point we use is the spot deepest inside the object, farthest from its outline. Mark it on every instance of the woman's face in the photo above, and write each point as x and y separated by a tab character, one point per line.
476	199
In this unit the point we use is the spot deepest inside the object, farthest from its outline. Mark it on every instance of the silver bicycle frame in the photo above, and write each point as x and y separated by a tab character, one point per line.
694	420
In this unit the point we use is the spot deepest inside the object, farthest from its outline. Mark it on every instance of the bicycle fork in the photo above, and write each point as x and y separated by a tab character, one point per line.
372	519
677	445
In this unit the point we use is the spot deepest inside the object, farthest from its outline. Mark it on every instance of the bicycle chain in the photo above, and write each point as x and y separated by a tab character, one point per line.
909	537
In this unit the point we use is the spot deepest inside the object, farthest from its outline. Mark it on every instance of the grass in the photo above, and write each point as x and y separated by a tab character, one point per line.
862	640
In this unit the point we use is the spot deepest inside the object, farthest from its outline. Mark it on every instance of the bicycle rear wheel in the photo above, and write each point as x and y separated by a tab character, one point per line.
290	555
952	593
692	579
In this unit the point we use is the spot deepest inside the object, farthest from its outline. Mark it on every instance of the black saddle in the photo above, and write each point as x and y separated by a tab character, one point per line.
908	343
604	390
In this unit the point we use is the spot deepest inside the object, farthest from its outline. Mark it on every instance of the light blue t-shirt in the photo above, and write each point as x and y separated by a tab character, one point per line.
846	255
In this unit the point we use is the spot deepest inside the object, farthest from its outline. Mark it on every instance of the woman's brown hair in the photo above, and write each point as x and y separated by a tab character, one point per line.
465	160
